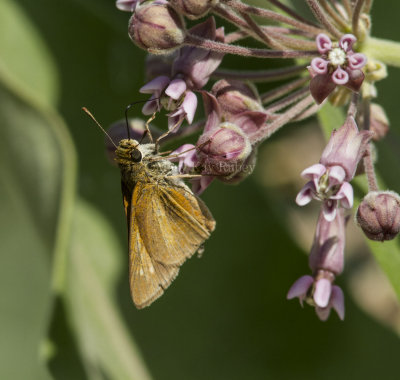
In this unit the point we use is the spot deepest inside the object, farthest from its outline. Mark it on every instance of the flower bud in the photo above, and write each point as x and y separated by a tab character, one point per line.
379	215
235	97
379	123
245	169
157	28
193	9
223	150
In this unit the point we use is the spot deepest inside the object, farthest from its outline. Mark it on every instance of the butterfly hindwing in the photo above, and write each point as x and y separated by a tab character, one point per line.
167	225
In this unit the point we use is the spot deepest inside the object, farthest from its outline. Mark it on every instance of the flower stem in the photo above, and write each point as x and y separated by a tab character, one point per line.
289	100
333	13
323	18
383	50
260	75
284	118
220	47
291	12
369	170
270	15
283	90
356	16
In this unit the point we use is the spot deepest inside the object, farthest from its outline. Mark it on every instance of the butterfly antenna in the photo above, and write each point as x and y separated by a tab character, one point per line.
84	109
128	107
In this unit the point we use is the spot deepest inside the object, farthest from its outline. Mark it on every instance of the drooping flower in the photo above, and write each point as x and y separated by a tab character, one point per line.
191	70
338	65
326	261
329	179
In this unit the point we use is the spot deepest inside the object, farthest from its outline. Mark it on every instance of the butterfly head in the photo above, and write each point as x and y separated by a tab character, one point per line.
129	150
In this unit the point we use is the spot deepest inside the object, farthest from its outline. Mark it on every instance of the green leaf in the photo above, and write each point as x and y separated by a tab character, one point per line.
387	254
23	54
94	264
37	166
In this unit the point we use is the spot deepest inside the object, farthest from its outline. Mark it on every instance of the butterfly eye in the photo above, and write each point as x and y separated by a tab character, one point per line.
136	155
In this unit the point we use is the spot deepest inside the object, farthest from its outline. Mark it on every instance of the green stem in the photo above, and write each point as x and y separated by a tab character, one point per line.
383	50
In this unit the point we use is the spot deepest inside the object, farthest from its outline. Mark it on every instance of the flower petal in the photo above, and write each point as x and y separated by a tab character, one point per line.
336	175
345	194
324	43
329	210
156	85
200	184
300	287
306	194
340	76
346	41
313	171
151	106
176	88
356	78
189	105
321	86
323	313
337	301
356	61
322	293
319	65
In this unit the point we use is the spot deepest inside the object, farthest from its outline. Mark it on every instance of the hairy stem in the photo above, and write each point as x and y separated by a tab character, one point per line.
285	102
278	92
291	12
280	121
270	15
260	75
220	47
352	111
266	38
334	15
369	169
356	16
322	17
348	7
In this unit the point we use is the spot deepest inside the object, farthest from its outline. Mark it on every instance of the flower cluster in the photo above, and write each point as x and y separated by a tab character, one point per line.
330	66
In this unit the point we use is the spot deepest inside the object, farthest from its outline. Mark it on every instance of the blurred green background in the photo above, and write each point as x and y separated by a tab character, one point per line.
64	296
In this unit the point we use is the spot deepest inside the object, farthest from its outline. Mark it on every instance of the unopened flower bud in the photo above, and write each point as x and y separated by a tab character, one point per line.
235	97
193	9
157	28
379	123
245	169
379	215
223	150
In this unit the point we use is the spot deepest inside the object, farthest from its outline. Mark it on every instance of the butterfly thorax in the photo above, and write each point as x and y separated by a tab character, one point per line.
141	163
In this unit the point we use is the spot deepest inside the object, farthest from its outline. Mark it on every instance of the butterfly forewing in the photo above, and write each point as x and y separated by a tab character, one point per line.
167	224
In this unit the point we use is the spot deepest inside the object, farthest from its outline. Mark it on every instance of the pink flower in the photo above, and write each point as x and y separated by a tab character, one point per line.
326	260
127	5
194	64
329	180
174	96
188	163
338	65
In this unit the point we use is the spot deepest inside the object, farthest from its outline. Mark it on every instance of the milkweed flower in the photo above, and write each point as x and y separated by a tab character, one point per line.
330	178
337	65
326	260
